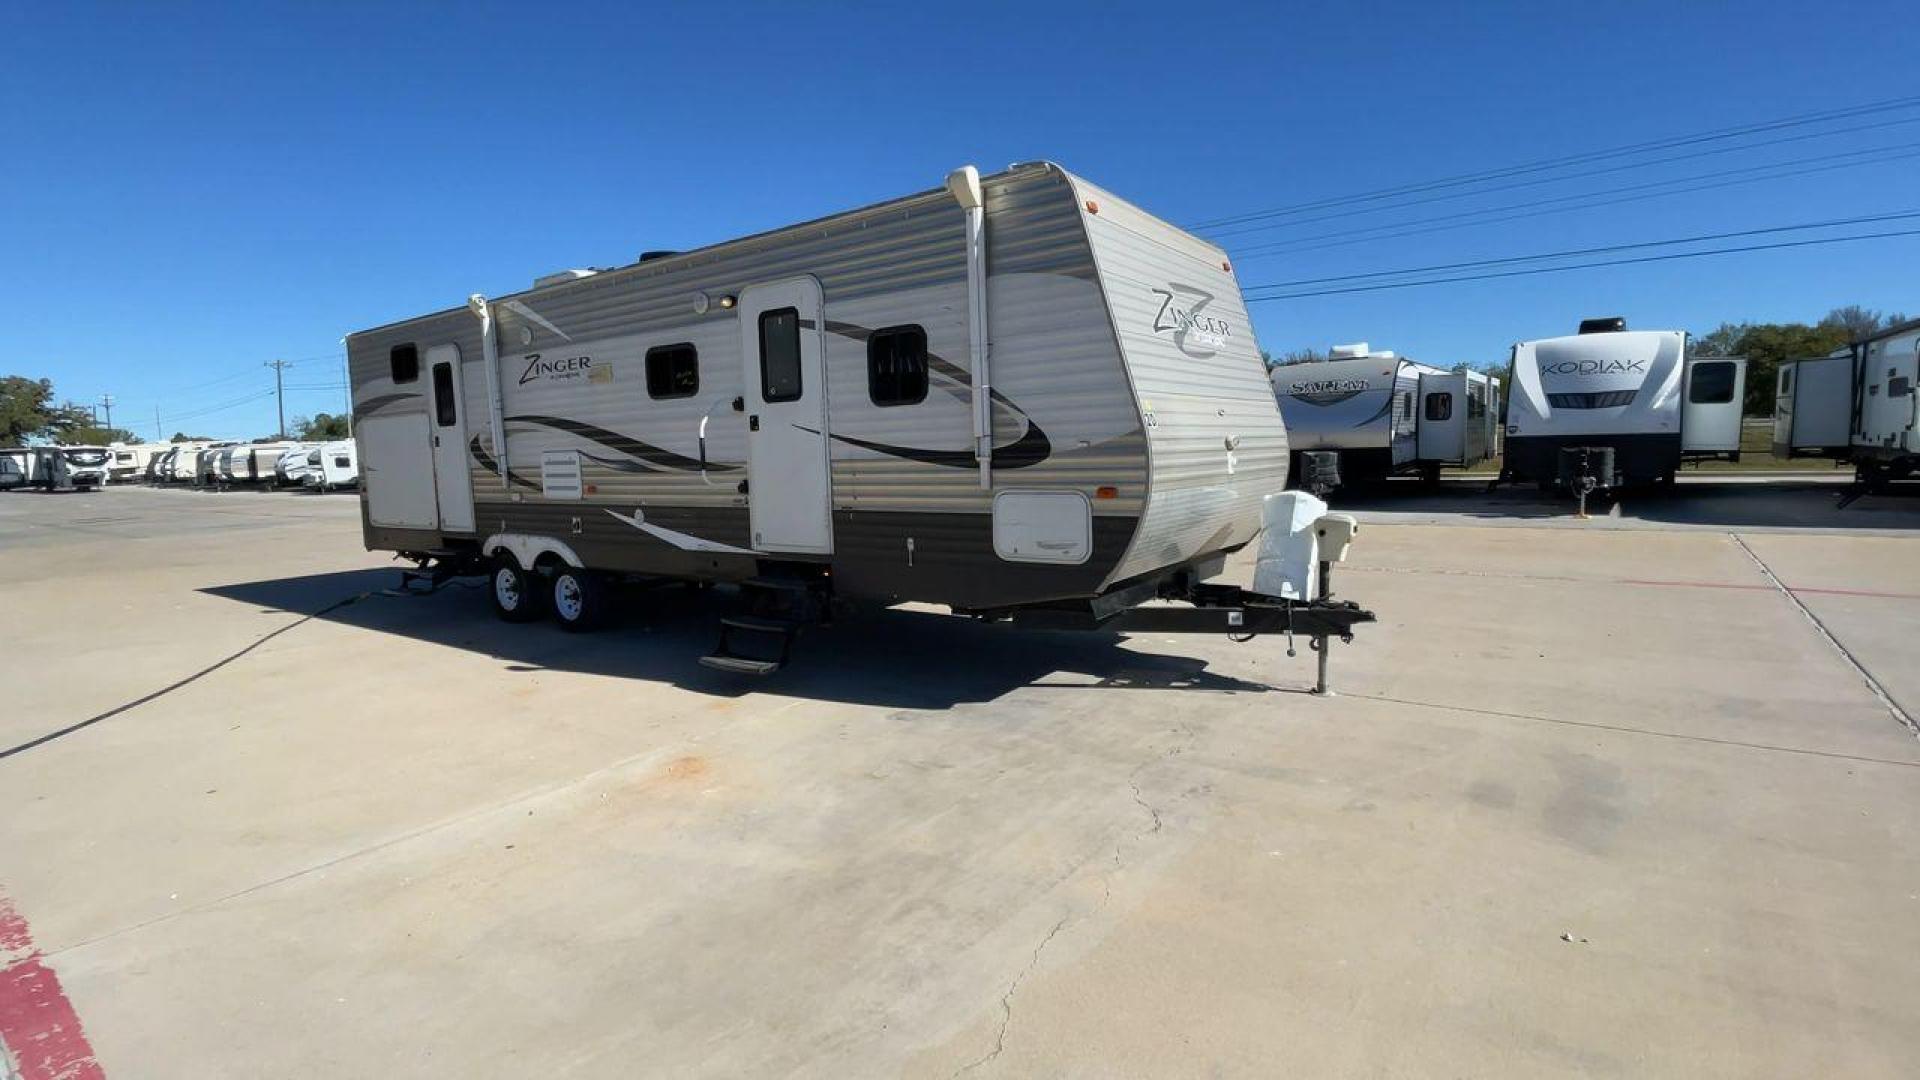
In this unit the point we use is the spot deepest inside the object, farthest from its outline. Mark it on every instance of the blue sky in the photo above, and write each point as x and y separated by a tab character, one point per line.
188	192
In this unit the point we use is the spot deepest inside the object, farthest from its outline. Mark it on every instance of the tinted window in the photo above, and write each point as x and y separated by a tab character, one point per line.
404	360
446	411
1712	383
1439	406
1786	380
1899	387
1476	402
673	371
897	366
780	355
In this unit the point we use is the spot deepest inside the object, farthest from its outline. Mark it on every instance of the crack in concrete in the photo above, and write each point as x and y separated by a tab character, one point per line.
1106	895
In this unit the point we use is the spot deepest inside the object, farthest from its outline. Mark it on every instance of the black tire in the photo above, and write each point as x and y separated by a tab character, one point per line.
518	595
581	600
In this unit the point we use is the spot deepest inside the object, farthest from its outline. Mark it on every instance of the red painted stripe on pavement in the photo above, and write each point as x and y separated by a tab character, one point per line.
39	1031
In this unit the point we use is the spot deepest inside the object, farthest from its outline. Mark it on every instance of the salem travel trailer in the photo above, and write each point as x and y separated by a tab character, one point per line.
1633	397
1014	395
339	465
1385	415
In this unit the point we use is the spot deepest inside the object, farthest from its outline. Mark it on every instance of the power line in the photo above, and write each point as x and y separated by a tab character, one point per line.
1868	108
1742	170
1571	252
1397	230
1585	266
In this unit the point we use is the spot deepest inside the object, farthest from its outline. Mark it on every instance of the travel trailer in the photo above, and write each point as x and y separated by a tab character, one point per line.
290	469
338	466
1017	396
81	468
1384	415
263	462
133	461
1858	404
208	470
15	467
1611	407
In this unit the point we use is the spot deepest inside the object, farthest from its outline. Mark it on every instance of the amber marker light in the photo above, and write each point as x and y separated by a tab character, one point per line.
1106	492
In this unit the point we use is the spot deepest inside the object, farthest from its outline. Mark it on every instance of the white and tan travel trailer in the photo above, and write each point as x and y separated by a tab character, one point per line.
1859	404
1384	415
180	467
1630	404
290	468
338	465
1008	395
208	465
81	468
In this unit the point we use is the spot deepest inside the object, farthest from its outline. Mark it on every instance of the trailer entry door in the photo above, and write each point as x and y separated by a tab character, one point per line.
789	485
452	480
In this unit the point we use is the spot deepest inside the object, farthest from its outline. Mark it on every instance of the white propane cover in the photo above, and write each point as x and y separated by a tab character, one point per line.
1289	562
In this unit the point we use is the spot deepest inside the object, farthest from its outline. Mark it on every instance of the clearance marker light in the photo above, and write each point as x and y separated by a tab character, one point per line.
1092	207
1106	492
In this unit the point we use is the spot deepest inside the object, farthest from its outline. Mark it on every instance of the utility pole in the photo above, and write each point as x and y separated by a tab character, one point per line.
158	435
107	401
279	391
346	376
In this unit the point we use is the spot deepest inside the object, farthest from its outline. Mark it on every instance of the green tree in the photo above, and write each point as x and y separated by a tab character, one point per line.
181	436
1766	344
1859	322
322	428
90	434
27	412
1297	356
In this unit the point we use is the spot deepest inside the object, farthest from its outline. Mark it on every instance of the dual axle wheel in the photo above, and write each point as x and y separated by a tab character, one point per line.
577	599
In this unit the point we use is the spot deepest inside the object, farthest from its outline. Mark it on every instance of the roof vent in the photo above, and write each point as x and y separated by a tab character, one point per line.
562	277
1348	352
1612	324
649	256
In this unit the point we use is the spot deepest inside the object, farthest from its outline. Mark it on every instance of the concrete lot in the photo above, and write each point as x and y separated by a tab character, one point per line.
1595	799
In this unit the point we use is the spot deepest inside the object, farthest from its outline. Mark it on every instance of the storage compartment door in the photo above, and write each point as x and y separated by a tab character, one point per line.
1710	405
397	460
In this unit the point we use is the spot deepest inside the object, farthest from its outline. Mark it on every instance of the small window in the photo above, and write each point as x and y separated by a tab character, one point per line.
1712	384
446	411
897	366
1406	404
780	355
673	371
1439	406
1476	402
1899	387
404	360
340	461
1786	380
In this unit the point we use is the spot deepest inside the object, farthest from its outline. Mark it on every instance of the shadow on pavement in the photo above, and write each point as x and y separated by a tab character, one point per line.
892	657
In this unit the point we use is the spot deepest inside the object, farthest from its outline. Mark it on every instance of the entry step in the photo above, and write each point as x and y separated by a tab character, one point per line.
740	665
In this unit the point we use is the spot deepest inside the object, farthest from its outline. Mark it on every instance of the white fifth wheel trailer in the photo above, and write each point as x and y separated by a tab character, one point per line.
1015	395
338	466
1618	407
1383	415
1857	404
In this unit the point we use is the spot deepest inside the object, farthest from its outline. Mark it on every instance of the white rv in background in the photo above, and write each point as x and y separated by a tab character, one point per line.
16	468
338	466
1860	404
81	468
1634	394
1385	415
290	469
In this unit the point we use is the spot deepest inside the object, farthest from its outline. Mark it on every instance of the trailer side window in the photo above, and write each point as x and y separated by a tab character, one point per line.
1712	383
673	371
1900	386
1440	406
446	411
1786	380
897	366
780	355
404	360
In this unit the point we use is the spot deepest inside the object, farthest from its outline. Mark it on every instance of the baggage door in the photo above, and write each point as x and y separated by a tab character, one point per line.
1441	418
452	479
1710	409
789	487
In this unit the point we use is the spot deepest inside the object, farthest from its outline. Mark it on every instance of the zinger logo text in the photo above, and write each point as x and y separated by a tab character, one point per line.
544	367
1183	314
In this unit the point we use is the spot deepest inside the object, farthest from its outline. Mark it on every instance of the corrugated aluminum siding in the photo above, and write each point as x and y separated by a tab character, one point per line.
1201	383
1053	356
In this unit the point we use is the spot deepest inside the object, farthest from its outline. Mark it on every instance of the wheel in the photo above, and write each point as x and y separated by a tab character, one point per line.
517	595
582	599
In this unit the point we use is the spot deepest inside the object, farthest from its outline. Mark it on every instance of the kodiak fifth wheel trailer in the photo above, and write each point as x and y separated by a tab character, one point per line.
1611	407
1379	415
1015	395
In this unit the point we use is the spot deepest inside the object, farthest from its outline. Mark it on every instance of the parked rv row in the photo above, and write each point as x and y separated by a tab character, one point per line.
1604	408
328	466
1857	404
